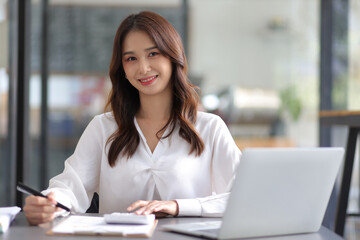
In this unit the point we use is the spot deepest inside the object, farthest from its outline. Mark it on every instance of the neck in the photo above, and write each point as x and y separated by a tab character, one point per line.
157	108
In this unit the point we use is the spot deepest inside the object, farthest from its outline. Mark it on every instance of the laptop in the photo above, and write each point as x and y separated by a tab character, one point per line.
277	191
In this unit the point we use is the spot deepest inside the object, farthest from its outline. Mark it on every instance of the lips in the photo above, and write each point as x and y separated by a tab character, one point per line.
148	80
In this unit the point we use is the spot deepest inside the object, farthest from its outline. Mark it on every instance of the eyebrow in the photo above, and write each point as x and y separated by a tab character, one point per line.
146	50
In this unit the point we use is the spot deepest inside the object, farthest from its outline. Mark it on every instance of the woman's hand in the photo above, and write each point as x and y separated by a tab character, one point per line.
39	209
159	208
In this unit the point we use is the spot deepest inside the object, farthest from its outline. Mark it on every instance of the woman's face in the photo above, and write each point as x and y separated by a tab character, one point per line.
145	67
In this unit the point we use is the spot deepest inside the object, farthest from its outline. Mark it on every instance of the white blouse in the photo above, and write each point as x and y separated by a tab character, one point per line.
199	184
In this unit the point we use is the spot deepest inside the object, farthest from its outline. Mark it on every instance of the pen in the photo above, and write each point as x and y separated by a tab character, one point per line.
25	189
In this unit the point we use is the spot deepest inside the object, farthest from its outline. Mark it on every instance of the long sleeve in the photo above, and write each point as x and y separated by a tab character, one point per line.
75	186
224	159
211	206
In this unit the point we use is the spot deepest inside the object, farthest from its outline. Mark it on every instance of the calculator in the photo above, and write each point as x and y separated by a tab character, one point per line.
128	218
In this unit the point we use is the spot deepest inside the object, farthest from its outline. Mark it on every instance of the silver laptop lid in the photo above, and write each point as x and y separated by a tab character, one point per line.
280	191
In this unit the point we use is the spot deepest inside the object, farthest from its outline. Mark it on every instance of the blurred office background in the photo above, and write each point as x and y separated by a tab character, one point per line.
257	62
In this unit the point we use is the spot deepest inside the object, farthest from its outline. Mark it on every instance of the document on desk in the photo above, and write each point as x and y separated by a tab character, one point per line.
7	214
94	225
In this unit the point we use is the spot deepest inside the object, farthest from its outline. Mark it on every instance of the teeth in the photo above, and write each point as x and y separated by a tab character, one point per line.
147	80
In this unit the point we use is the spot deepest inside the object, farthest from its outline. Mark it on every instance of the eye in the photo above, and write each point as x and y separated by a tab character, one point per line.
129	59
152	54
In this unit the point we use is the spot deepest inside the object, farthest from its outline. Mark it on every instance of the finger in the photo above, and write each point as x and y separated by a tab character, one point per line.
38	218
144	205
39	209
38	201
140	211
137	204
37	215
51	197
153	206
34	200
58	209
166	207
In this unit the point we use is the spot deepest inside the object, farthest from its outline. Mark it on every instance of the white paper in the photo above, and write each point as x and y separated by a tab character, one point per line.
97	225
7	214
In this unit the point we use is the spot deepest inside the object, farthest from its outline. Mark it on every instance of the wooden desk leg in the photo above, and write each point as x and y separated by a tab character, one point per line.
346	180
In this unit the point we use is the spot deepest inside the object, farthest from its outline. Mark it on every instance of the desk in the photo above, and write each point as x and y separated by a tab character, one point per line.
21	230
352	120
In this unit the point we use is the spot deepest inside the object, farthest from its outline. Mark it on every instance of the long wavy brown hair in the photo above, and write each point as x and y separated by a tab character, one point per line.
124	99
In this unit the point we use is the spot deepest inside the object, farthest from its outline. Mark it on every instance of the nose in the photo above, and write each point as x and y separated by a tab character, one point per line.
144	66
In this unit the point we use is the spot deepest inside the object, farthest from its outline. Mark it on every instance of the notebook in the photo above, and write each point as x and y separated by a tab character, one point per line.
277	191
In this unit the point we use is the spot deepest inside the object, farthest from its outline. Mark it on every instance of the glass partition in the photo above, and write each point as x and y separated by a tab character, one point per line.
354	56
258	63
4	103
353	90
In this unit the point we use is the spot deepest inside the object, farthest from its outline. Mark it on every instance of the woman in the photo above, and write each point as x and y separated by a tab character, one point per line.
154	152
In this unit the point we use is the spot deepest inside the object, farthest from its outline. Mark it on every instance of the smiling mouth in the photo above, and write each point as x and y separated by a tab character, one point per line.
148	79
